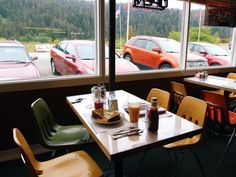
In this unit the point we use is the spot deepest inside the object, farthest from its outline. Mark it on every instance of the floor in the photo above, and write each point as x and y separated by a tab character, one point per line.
157	162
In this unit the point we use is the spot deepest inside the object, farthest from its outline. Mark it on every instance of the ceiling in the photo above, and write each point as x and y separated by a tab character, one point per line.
218	3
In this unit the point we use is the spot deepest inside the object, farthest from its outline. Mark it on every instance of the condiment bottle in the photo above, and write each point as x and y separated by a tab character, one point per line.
153	116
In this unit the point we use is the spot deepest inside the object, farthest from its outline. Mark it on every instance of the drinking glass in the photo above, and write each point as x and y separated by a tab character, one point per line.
134	109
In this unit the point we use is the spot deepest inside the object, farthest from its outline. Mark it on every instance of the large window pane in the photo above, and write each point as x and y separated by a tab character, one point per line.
210	42
149	38
61	33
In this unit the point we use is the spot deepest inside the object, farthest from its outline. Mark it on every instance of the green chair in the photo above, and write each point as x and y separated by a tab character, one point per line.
53	135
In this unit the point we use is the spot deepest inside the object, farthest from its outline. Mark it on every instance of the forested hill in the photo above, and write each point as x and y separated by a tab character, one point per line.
35	20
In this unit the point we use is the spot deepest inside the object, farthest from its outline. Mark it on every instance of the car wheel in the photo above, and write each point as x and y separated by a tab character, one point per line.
215	64
53	68
165	66
128	57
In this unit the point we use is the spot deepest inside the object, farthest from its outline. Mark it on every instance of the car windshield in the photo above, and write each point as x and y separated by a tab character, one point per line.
87	52
216	50
13	54
170	46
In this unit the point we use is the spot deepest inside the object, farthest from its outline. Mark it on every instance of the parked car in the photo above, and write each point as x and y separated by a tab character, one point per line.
15	62
43	47
78	57
213	53
157	52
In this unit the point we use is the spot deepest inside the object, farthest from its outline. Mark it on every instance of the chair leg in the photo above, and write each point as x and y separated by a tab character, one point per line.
227	147
198	162
175	108
179	164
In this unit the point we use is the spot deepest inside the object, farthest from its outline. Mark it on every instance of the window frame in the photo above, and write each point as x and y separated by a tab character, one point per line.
68	81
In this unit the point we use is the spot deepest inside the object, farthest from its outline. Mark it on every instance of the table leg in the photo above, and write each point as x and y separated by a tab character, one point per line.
119	168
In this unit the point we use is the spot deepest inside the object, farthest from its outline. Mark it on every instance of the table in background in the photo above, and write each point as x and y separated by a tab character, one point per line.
171	128
229	85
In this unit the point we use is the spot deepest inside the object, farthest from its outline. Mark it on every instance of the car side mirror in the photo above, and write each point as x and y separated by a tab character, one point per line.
156	49
34	58
203	53
70	56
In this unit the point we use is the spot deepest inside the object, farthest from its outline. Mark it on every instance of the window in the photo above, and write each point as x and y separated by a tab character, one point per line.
140	43
49	30
150	45
209	42
146	39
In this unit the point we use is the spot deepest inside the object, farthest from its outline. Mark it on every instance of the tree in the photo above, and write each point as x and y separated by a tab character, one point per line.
205	35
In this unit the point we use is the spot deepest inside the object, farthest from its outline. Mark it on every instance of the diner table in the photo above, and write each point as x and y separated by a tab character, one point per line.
216	82
171	128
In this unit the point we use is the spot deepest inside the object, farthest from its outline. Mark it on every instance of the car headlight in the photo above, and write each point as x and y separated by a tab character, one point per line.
89	71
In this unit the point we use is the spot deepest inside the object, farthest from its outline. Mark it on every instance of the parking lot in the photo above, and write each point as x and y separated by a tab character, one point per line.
43	63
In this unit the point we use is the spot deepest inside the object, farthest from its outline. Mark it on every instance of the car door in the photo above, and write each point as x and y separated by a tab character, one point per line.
152	57
139	51
70	61
59	56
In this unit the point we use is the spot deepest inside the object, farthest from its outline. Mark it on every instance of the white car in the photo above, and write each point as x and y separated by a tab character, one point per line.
43	47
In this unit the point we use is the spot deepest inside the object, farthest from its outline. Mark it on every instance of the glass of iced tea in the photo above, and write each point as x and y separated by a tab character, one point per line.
134	109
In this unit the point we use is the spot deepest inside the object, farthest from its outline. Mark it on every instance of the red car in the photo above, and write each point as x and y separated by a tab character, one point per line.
158	53
15	62
78	57
213	53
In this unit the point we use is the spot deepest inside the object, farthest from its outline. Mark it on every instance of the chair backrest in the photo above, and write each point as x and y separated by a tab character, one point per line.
178	91
217	106
193	109
44	120
163	97
231	76
28	157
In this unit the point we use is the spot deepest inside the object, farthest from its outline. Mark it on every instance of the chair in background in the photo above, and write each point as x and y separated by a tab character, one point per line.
53	135
178	92
192	109
77	163
218	112
163	97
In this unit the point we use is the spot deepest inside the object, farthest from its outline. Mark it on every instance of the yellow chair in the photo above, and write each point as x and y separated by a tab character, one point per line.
163	97
78	163
194	110
178	92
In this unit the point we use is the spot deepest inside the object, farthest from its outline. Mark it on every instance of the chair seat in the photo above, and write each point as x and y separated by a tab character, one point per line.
183	142
69	136
75	164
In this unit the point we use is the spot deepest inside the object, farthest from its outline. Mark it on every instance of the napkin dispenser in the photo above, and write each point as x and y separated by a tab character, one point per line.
112	104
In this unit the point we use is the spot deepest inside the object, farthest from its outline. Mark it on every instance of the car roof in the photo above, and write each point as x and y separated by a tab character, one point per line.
152	37
10	43
80	42
201	43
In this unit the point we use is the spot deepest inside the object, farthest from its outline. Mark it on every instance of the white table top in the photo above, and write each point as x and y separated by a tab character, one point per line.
214	82
171	128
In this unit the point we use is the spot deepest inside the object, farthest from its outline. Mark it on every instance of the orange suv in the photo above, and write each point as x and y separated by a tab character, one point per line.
158	53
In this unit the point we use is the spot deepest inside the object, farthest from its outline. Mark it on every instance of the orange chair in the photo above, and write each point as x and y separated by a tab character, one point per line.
178	92
163	97
219	113
77	163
